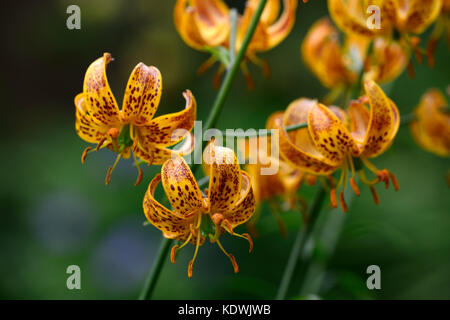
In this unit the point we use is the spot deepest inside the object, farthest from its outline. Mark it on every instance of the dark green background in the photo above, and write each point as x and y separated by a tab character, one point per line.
56	212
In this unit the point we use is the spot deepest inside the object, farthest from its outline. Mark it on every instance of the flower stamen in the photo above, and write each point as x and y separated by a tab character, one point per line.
110	170
197	245
376	199
141	174
342	201
230	256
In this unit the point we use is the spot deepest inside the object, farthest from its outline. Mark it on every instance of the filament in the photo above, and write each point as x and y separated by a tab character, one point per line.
110	170
230	256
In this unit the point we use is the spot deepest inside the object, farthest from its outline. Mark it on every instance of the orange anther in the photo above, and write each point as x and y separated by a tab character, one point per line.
113	133
234	263
394	181
354	187
108	175
383	175
374	195
333	198
139	178
84	154
99	145
342	201
250	241
172	253
190	268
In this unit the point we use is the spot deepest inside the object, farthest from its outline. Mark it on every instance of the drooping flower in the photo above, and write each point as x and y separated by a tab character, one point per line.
335	139
337	65
405	16
431	128
133	128
205	25
441	28
227	203
272	177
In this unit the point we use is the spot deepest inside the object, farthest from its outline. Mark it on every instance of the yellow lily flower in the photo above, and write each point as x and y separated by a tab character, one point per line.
338	66
431	129
228	203
406	16
99	120
206	23
335	140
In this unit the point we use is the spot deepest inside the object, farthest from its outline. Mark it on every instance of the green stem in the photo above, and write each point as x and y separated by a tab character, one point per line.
301	240
214	114
150	283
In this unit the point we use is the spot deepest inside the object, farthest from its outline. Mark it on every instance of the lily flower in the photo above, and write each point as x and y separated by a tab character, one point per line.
227	202
268	187
132	129
205	25
405	17
338	66
334	140
431	128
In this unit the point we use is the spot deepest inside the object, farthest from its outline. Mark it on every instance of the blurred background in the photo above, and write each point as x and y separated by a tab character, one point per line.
57	212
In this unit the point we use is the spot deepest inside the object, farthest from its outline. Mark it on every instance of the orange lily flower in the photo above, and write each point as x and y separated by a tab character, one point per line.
431	129
228	203
338	66
406	16
285	182
99	120
205	24
334	140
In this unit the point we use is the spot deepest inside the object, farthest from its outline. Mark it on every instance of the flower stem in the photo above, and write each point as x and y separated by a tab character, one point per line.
214	114
150	282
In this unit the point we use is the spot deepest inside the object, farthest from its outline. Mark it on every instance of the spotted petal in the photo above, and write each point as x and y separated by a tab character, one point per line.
298	156
142	94
245	204
278	31
224	178
414	16
173	225
383	123
171	128
88	129
181	188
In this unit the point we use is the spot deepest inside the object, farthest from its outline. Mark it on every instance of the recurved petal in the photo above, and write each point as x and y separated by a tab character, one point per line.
359	122
245	206
99	99
224	178
171	128
260	41
278	31
87	129
142	94
329	134
431	130
186	25
153	154
383	123
298	157
181	188
350	17
173	225
213	21
414	16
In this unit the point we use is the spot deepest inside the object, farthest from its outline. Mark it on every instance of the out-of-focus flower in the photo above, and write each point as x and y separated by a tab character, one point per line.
99	120
205	25
228	203
267	187
442	27
338	66
431	128
335	139
406	16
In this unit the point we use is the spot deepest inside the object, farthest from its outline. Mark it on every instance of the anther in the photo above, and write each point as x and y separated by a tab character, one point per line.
172	253
383	175
108	175
84	154
342	201
234	263
394	181
139	178
250	241
333	198
374	195
354	187
190	268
